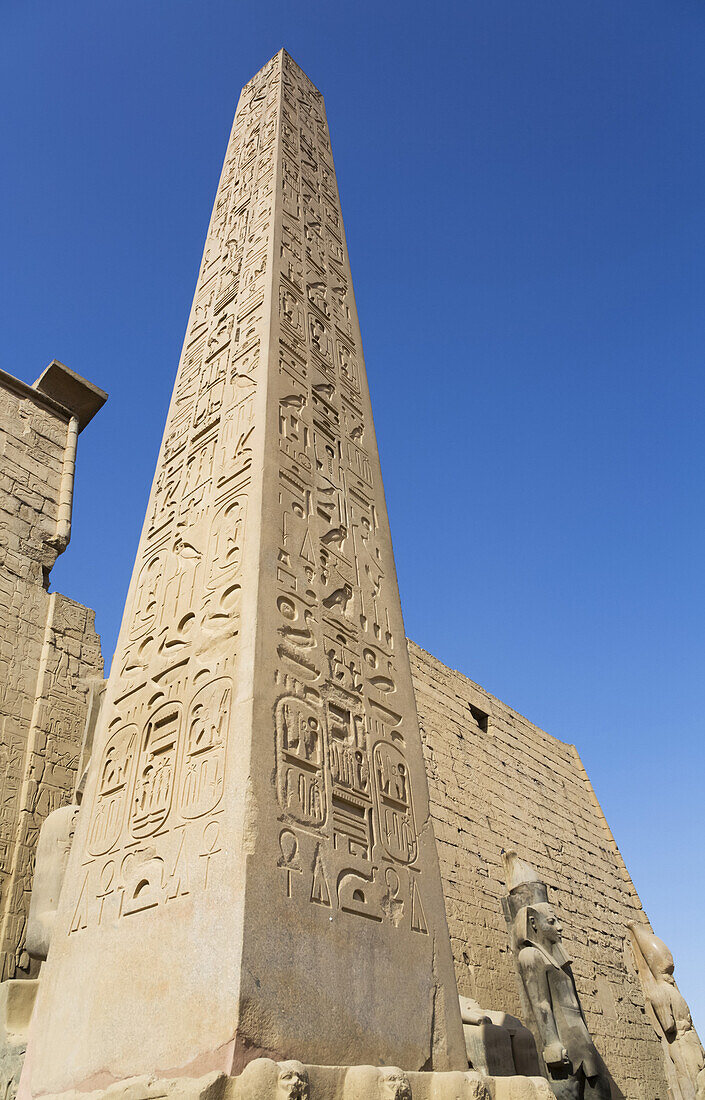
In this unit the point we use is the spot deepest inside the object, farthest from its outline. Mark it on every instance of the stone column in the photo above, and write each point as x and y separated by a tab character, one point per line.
255	870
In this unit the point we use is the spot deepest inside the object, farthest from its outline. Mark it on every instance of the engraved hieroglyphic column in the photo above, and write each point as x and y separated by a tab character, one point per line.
255	870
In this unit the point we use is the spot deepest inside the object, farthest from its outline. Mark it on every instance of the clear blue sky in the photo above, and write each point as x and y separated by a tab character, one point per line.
523	186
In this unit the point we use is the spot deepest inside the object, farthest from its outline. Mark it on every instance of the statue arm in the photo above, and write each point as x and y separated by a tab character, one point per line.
533	972
471	1013
38	936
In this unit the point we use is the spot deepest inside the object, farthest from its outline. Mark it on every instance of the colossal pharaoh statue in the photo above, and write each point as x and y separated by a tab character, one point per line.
573	1066
685	1060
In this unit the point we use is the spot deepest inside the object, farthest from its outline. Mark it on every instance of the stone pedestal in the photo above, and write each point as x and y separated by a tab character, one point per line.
264	1079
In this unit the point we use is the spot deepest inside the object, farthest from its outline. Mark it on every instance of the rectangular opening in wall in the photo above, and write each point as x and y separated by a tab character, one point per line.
480	718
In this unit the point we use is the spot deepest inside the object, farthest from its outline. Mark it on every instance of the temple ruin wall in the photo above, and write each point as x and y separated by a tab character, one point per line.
49	651
497	781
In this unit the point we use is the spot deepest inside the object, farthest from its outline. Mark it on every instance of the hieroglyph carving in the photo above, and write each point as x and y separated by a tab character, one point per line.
344	785
259	778
340	729
160	775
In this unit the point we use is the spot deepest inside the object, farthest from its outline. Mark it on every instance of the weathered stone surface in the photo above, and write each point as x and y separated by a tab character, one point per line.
255	871
273	352
684	1059
497	1044
55	839
281	1080
49	650
264	1079
63	386
17	997
497	782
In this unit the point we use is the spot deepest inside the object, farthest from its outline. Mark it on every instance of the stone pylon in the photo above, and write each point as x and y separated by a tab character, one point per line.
255	870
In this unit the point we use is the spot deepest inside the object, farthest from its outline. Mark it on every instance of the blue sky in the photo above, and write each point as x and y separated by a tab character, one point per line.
523	190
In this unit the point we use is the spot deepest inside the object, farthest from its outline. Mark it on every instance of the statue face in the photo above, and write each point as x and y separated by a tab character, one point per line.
394	1085
546	923
293	1082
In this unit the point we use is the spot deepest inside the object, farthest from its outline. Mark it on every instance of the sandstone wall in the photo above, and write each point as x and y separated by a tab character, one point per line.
49	651
497	781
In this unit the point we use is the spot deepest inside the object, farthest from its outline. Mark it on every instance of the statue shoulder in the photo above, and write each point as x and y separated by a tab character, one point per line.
530	958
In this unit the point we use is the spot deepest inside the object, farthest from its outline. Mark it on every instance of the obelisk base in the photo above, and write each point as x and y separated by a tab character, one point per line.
264	1079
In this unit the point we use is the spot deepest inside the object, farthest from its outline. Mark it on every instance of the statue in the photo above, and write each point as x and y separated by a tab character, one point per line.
17	995
393	1084
457	1085
497	1044
264	1079
55	839
574	1069
376	1083
670	1017
292	1083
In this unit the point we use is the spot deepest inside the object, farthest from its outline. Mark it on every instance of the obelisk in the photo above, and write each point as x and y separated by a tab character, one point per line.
254	870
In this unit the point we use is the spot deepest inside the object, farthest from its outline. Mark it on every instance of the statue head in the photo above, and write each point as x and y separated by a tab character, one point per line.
656	955
524	885
55	840
292	1083
457	1085
517	872
393	1084
538	926
259	1079
376	1083
544	921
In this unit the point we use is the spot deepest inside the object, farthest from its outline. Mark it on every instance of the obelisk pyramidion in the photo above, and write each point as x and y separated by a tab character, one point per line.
254	868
